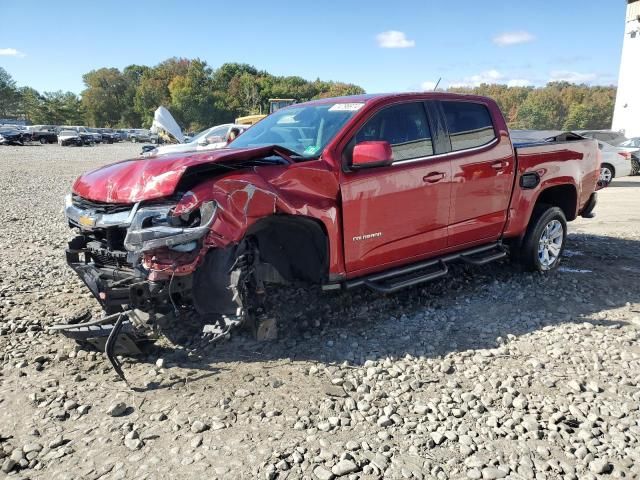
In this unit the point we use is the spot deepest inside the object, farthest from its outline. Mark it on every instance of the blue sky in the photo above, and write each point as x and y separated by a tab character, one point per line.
379	45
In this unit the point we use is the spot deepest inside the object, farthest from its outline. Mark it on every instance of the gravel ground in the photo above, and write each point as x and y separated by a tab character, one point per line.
491	373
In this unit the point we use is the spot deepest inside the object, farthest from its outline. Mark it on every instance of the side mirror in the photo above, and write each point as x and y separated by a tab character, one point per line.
372	154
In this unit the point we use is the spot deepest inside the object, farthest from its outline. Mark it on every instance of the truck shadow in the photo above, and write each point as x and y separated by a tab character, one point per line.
473	308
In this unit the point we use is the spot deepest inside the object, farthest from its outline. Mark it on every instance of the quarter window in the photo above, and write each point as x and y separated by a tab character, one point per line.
404	126
469	124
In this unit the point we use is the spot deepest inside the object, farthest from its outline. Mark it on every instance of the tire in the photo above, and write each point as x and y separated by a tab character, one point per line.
43	141
635	166
607	173
545	239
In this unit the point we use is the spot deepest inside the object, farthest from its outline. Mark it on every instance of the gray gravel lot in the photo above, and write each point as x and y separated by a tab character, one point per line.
491	373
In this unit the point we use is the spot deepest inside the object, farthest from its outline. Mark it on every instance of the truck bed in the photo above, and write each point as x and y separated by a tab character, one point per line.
530	138
556	158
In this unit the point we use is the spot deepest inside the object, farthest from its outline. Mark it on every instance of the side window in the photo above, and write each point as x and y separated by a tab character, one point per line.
404	126
469	124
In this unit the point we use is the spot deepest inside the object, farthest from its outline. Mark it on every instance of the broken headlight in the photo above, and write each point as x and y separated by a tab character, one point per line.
156	226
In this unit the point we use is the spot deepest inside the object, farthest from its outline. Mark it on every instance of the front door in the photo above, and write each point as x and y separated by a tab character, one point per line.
396	213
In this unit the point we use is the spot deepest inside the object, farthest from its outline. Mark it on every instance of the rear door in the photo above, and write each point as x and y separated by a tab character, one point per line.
482	169
392	214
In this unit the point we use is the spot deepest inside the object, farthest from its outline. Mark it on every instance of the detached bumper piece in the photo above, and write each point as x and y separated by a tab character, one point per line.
125	294
113	334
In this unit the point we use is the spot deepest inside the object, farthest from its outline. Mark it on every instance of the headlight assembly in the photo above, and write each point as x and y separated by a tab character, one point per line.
155	226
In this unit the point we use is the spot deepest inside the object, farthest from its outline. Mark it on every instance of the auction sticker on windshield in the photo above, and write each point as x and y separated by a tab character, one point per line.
346	107
311	150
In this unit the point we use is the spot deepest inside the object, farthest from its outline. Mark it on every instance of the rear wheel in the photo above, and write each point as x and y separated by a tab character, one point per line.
635	166
544	242
43	140
607	173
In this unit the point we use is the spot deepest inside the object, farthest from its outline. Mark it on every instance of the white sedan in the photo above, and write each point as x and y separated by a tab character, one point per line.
210	139
616	162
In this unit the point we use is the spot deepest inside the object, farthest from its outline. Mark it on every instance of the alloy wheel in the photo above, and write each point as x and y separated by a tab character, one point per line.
606	175
550	244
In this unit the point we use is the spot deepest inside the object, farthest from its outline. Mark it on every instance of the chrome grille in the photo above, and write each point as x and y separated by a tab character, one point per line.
99	207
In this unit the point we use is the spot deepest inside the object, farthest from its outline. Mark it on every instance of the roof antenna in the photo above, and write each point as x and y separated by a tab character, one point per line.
438	83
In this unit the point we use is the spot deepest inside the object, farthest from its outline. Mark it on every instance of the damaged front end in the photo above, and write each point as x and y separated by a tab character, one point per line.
138	261
173	243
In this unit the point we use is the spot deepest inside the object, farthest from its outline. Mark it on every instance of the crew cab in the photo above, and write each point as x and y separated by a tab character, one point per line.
378	191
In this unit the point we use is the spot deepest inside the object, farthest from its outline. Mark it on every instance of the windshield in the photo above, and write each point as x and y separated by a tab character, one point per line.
220	131
303	129
634	142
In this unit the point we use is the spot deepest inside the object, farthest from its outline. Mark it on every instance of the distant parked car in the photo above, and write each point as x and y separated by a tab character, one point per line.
209	139
69	137
137	135
97	136
616	162
109	135
13	136
633	147
606	136
631	143
122	134
87	137
43	133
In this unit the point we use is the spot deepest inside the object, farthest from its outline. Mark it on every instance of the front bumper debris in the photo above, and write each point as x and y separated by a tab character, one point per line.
121	284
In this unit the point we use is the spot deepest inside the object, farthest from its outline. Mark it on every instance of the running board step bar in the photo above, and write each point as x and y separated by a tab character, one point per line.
396	279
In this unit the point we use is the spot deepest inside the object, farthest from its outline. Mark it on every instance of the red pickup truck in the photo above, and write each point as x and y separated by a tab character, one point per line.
382	191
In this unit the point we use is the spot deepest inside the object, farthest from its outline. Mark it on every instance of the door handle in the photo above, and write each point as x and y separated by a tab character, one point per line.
433	177
499	165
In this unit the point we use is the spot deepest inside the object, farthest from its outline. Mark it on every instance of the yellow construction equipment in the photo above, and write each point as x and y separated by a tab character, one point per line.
275	104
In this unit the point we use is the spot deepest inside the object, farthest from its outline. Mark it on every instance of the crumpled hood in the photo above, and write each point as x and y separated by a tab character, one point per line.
148	178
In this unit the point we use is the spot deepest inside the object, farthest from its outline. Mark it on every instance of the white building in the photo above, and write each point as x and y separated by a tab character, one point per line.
626	116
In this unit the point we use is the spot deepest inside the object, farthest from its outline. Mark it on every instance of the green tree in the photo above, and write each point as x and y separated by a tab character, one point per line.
63	108
32	105
153	89
192	96
129	117
104	97
9	97
337	89
542	110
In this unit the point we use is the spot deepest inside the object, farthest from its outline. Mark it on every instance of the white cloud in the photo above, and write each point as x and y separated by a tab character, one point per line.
489	76
519	82
427	86
492	76
513	38
571	77
10	52
394	39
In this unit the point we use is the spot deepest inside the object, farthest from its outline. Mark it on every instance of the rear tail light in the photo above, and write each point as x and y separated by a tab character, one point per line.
625	155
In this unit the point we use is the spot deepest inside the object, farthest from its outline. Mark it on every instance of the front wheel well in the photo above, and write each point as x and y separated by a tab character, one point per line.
296	246
563	196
